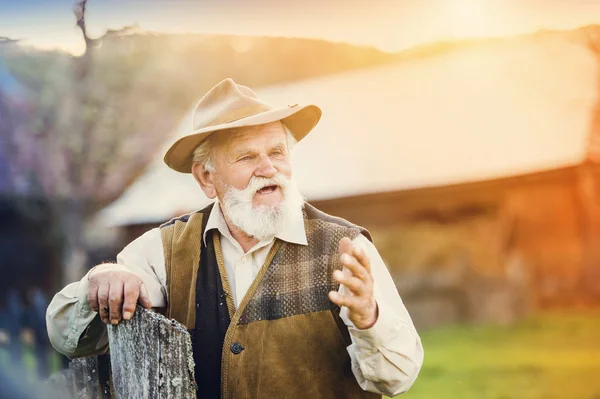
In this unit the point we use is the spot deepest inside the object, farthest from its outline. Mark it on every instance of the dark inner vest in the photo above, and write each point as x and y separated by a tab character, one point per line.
212	321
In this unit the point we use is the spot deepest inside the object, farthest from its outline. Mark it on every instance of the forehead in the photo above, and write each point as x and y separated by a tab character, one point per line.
260	136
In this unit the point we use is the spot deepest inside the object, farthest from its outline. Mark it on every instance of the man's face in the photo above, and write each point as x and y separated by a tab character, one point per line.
260	151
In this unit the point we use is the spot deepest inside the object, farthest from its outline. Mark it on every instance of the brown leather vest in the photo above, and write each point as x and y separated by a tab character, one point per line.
286	339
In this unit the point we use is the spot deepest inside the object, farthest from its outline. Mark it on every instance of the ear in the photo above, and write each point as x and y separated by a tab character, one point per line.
205	179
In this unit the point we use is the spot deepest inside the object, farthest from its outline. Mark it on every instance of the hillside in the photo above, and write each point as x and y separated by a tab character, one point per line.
191	64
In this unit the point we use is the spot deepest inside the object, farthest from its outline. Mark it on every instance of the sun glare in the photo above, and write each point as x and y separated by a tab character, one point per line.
467	18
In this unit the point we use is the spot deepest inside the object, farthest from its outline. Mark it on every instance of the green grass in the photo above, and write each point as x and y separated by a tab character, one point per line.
552	356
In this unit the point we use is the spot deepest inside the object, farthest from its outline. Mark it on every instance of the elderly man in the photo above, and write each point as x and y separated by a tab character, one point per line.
281	300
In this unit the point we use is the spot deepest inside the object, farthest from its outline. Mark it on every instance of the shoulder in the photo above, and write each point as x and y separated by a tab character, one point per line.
146	246
149	238
186	217
312	214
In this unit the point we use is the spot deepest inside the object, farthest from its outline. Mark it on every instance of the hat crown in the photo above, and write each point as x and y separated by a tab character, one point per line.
231	106
227	102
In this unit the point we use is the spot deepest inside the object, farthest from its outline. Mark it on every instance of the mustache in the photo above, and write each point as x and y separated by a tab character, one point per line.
256	183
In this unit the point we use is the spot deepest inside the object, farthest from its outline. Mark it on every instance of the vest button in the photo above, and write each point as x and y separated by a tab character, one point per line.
236	348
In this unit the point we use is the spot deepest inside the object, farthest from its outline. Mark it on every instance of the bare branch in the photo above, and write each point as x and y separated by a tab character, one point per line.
79	11
6	39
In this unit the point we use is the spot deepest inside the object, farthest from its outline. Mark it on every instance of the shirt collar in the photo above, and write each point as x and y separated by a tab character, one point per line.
292	232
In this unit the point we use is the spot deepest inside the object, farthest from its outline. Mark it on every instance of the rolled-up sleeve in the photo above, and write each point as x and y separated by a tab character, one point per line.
387	357
74	329
67	318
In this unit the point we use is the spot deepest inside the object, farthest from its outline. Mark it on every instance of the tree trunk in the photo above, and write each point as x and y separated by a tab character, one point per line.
71	215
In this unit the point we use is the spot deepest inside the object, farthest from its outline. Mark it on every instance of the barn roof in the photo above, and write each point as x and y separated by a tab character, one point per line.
478	112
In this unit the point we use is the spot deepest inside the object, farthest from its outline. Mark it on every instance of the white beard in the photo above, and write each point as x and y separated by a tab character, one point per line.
263	221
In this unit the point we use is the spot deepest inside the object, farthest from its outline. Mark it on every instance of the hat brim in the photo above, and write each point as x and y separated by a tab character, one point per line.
300	120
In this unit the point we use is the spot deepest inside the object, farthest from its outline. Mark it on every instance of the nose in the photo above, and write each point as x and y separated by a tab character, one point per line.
265	167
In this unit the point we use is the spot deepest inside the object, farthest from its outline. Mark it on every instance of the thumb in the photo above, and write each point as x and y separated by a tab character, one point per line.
144	298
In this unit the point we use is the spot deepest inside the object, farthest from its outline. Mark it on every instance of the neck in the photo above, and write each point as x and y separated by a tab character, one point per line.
245	241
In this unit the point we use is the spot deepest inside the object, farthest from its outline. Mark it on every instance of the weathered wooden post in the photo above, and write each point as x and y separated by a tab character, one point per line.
151	357
86	377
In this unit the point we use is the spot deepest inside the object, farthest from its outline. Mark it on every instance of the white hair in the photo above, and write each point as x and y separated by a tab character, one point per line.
204	153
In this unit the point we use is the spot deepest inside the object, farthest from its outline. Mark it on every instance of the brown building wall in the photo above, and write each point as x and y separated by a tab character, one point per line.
521	238
479	251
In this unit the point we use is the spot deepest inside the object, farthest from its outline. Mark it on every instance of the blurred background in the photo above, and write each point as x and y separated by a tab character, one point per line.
464	134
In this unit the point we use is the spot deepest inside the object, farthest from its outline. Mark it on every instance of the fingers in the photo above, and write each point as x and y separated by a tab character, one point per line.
103	302
144	298
115	293
352	303
355	268
362	258
132	292
349	251
354	284
356	277
356	274
93	296
345	246
115	301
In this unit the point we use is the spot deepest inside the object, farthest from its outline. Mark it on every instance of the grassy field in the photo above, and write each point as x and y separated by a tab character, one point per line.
552	356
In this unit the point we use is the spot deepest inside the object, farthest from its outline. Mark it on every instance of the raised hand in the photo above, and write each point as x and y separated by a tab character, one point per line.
356	277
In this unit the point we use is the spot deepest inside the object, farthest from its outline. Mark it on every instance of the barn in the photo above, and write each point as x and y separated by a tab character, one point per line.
474	166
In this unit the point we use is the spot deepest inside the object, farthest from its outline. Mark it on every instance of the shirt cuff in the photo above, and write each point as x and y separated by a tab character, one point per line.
82	314
381	332
82	292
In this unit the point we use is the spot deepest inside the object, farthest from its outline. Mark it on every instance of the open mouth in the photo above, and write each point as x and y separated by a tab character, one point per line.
267	189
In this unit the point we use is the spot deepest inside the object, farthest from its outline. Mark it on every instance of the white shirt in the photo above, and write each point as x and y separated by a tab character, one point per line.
386	358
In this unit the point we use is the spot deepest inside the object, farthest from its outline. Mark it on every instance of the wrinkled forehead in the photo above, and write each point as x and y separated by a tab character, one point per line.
252	138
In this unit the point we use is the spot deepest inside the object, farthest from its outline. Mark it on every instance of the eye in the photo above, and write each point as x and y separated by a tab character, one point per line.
245	158
277	152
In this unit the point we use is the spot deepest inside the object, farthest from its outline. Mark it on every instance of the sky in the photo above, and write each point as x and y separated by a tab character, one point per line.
390	25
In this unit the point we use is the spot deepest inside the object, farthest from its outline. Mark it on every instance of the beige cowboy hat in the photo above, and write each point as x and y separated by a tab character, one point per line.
229	105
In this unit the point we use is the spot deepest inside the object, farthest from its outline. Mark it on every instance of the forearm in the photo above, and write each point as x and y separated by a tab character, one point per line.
74	329
387	357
